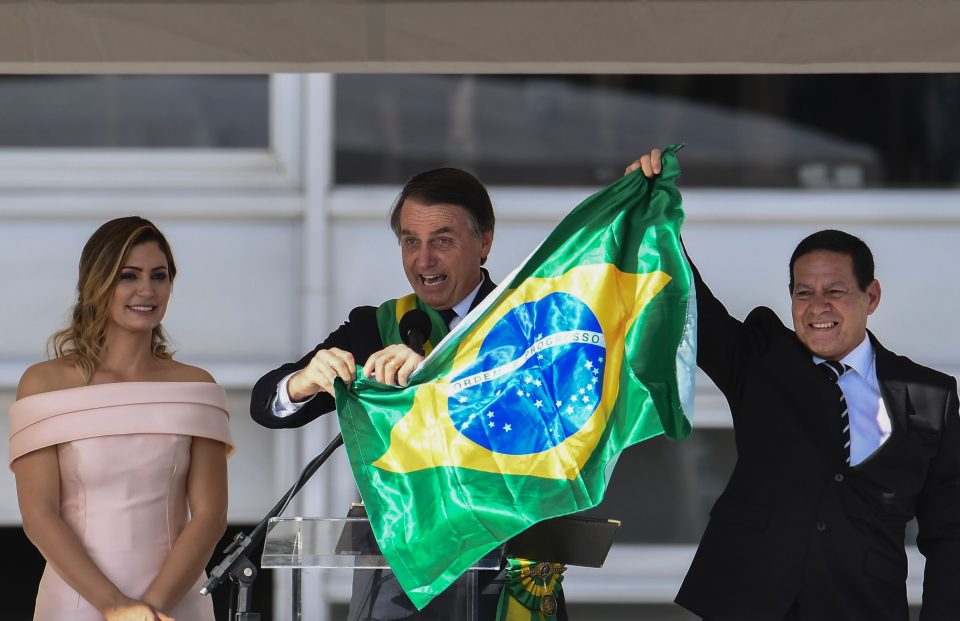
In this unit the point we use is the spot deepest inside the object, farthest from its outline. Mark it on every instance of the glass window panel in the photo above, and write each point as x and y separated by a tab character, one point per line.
877	130
188	112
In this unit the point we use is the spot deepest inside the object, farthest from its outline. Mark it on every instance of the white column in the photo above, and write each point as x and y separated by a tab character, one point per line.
315	499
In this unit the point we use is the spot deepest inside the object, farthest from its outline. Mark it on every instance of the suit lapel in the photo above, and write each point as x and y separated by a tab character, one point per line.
486	286
892	389
809	394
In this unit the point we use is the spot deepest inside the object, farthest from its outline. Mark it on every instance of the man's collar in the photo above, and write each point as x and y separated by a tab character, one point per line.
463	307
860	359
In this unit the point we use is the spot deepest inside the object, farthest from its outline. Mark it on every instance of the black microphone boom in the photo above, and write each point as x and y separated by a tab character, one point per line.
415	329
236	564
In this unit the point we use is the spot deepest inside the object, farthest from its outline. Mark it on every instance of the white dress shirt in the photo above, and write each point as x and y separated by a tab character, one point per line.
282	406
869	421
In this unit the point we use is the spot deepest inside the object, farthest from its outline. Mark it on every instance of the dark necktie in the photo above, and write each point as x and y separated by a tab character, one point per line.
834	370
448	315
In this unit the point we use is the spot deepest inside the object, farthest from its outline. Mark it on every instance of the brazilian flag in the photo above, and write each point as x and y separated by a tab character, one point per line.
521	412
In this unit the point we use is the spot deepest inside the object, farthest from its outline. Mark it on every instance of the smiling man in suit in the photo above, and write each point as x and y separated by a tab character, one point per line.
840	442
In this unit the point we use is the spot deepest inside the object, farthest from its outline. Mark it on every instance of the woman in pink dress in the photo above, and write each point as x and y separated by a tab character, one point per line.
119	451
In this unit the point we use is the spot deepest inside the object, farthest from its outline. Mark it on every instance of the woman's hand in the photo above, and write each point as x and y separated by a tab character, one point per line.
129	609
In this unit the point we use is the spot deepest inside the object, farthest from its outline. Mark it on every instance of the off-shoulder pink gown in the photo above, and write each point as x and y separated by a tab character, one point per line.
124	452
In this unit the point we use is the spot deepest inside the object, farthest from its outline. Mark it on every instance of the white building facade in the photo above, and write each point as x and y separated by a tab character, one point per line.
277	236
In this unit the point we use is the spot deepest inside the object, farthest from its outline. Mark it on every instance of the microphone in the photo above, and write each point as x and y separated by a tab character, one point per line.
414	329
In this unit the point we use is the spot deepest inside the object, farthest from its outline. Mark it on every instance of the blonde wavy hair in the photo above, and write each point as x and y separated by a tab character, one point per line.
82	341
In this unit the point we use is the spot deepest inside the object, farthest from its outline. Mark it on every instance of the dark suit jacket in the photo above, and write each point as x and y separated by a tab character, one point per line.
360	336
796	523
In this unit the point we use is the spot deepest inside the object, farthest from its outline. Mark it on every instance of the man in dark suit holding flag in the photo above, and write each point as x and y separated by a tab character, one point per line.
840	442
444	222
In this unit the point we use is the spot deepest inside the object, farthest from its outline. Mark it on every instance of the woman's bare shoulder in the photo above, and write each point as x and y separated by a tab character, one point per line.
47	376
175	371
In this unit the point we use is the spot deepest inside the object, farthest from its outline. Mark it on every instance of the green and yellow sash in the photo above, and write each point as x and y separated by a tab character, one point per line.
531	591
388	321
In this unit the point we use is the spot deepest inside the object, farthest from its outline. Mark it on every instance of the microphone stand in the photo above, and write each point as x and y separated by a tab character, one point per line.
237	567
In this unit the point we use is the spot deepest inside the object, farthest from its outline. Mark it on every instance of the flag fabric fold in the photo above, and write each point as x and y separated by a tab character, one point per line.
521	412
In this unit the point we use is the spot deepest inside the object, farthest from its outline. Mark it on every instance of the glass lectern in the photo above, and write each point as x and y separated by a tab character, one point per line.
348	544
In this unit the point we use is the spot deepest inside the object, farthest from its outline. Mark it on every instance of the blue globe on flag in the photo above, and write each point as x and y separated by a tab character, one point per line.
537	379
